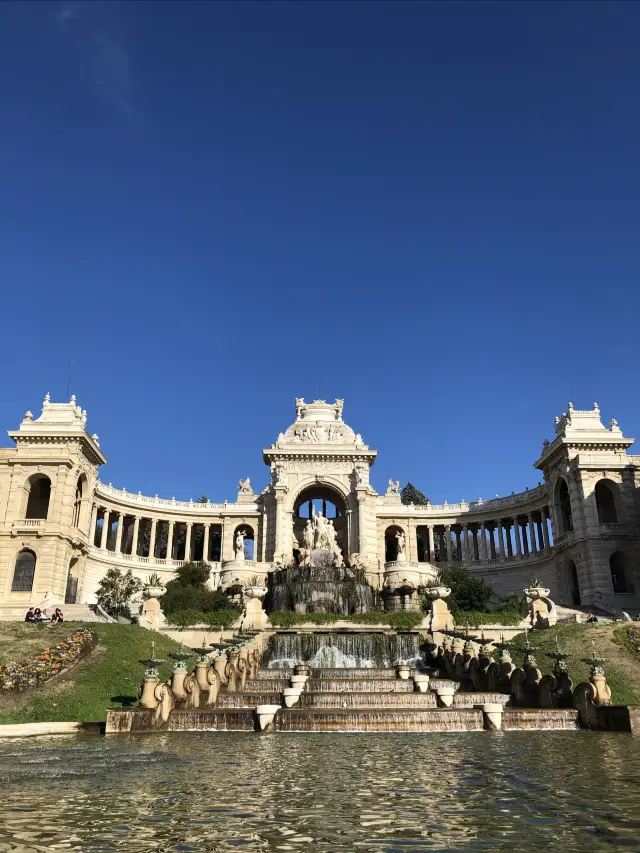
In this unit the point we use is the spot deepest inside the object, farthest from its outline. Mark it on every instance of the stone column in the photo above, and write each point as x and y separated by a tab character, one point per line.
447	529
362	535
516	536
187	542
545	529
119	533
134	541
92	523
152	538
170	541
525	543
465	544
483	542
492	544
279	522
475	547
500	540
532	534
205	544
105	529
431	556
507	531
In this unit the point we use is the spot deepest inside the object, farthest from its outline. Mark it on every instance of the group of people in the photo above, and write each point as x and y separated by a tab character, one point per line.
34	614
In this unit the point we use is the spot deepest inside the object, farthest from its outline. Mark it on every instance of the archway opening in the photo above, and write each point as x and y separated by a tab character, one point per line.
392	536
321	500
619	573
71	591
573	583
24	571
81	490
606	503
249	543
39	488
564	505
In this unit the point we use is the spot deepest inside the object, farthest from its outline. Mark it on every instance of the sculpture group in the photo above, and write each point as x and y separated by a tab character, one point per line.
319	535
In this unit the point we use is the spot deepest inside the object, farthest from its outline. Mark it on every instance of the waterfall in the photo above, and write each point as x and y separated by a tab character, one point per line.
320	588
366	650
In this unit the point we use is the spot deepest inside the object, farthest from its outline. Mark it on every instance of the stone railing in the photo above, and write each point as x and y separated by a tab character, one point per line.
28	525
138	499
538	495
135	561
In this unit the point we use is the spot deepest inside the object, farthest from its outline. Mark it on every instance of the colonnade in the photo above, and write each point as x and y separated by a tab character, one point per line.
164	539
503	539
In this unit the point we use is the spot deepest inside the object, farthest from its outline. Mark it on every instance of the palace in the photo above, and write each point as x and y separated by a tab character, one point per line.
61	528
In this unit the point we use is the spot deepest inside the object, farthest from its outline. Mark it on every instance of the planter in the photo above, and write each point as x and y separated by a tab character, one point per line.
266	715
154	591
535	593
254	591
435	592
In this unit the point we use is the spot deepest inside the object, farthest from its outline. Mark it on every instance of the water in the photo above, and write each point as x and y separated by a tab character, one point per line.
321	588
513	792
335	650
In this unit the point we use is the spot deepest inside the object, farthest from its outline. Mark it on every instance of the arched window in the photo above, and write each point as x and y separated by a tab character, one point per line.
39	488
77	506
606	503
617	566
564	505
24	571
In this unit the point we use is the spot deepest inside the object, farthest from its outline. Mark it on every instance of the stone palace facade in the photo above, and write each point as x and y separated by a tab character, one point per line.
61	528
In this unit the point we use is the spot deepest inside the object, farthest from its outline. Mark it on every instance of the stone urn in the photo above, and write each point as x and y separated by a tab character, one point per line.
403	671
436	592
535	593
154	591
301	669
421	681
254	591
291	695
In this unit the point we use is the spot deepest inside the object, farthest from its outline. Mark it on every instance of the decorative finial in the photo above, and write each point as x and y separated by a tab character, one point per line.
47	398
28	416
72	399
556	420
570	406
596	407
613	423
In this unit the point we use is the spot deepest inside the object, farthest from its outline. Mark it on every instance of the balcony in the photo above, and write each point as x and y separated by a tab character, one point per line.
615	529
28	525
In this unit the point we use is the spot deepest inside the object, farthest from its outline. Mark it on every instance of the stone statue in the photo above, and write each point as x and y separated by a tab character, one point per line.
244	486
308	536
401	558
331	535
339	406
394	487
299	407
239	548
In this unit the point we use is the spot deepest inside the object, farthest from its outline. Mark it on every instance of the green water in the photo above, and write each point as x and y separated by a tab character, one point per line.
377	793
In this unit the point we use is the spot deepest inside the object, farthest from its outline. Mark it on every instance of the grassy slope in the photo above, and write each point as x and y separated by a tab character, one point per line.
610	641
86	691
21	639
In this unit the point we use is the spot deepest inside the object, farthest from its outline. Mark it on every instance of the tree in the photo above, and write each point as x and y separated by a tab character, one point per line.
189	591
115	590
467	592
409	494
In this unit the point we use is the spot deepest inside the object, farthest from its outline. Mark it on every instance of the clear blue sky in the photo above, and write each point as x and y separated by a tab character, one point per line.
433	207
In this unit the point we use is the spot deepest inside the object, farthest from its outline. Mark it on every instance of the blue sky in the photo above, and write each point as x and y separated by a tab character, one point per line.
431	210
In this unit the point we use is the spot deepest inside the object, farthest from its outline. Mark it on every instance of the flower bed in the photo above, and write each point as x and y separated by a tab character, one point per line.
39	668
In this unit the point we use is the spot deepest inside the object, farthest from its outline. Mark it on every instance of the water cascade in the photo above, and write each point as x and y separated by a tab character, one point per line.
363	650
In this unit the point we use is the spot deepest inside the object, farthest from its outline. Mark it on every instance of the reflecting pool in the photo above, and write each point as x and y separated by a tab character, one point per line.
379	793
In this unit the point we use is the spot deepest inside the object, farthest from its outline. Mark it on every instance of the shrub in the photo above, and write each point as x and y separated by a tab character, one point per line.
188	592
401	621
467	592
477	618
115	590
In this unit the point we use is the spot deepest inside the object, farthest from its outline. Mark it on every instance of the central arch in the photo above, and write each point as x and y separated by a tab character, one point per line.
322	498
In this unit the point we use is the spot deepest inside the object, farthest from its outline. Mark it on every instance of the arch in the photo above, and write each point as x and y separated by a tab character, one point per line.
24	571
71	591
618	566
605	494
82	487
573	583
249	540
563	504
38	488
326	499
391	542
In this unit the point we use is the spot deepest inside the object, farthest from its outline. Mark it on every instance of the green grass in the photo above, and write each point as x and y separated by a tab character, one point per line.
477	618
19	640
401	621
610	641
86	692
